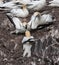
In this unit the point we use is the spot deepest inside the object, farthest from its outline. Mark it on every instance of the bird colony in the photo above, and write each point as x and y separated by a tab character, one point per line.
19	10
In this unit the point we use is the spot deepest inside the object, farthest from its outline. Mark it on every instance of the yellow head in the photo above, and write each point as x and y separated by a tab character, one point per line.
27	33
37	13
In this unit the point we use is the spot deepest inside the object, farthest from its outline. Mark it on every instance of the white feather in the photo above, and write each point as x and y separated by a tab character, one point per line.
27	38
42	19
24	1
37	5
1	3
27	49
46	18
20	12
18	24
11	4
8	4
54	3
27	46
33	23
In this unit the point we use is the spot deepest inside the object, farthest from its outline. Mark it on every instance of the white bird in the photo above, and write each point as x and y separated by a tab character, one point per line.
54	3
27	44
35	22
27	37
20	12
11	4
7	5
37	5
24	1
19	26
38	19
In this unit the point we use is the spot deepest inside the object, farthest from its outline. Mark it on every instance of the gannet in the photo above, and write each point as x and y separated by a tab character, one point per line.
38	19
27	44
20	12
36	5
10	4
54	3
19	26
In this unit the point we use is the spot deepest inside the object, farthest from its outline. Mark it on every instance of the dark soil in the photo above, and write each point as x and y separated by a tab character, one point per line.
11	47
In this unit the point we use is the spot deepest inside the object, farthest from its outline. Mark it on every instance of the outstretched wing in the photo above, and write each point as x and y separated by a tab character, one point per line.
15	21
30	23
10	19
47	18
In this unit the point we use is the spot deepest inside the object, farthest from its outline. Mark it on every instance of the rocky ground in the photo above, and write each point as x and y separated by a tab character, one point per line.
46	51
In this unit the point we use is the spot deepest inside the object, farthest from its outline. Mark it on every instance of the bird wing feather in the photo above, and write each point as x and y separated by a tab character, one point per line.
17	22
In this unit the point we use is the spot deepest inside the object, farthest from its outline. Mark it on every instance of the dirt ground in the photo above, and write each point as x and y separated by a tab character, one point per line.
11	47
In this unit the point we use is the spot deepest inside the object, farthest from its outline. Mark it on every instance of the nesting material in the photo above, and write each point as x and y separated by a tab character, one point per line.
27	41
